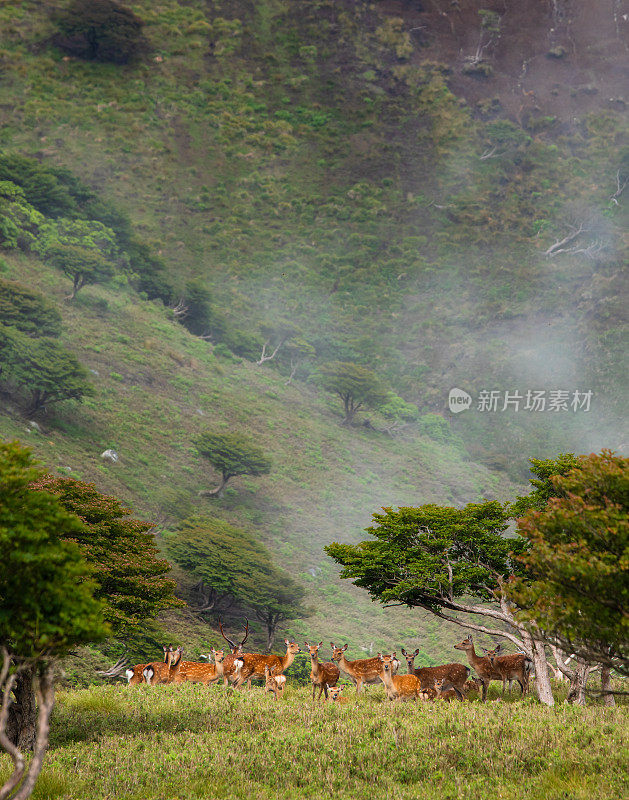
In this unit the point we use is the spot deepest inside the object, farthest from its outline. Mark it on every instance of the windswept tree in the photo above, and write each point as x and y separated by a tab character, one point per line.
28	311
448	561
82	265
47	607
578	560
232	454
231	567
357	386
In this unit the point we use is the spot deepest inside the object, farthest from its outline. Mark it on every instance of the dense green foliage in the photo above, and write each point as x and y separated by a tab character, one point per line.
544	487
121	553
233	567
429	556
47	600
579	560
28	311
100	30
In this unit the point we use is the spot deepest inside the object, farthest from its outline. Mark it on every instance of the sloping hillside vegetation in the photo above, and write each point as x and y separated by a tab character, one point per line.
329	182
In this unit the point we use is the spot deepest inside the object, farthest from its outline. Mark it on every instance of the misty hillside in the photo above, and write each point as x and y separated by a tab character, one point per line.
435	191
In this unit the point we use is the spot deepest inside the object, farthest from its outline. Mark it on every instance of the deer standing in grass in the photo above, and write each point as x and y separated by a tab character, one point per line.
321	675
135	674
274	683
455	675
398	687
232	662
482	665
160	672
511	668
254	663
362	671
198	672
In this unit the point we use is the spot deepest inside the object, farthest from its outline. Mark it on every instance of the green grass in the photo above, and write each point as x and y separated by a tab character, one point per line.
198	742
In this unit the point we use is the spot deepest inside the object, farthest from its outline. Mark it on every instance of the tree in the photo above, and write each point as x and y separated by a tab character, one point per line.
231	566
578	560
46	607
543	484
83	265
100	30
45	369
121	551
356	386
231	454
28	311
443	559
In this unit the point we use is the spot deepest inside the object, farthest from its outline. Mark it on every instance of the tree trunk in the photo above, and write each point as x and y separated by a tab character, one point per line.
578	681
608	697
23	712
218	492
542	680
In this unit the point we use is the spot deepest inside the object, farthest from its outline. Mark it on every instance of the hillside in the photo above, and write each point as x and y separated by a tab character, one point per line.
360	172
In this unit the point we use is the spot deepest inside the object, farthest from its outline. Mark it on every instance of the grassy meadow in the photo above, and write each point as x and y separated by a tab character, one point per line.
192	741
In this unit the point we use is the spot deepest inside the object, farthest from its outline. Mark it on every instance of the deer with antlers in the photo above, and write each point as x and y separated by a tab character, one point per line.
254	664
232	663
135	674
398	687
511	668
455	675
321	675
362	671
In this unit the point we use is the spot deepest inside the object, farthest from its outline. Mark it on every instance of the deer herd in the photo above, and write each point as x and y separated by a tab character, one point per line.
445	682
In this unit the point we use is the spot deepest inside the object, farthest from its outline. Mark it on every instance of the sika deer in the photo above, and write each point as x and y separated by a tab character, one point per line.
135	674
511	668
273	683
398	687
321	675
254	663
453	674
483	666
157	673
336	695
232	661
444	694
196	672
362	671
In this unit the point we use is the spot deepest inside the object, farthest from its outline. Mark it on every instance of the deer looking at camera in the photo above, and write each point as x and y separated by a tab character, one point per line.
274	683
362	671
233	660
336	695
398	687
198	672
321	675
455	675
482	665
254	663
511	668
159	672
135	674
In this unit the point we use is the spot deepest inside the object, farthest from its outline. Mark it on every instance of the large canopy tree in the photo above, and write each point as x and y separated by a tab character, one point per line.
448	561
47	606
231	454
578	560
233	567
357	386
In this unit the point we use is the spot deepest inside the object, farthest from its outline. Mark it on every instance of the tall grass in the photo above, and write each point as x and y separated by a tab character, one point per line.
199	742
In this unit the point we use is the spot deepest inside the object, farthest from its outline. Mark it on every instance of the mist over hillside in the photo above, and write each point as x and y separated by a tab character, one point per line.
434	191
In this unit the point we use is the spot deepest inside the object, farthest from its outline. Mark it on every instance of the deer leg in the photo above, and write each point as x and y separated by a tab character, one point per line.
484	691
325	689
359	684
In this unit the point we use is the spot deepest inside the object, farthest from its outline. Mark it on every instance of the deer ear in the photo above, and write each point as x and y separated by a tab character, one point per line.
344	648
320	643
416	653
286	642
306	643
392	655
404	653
380	657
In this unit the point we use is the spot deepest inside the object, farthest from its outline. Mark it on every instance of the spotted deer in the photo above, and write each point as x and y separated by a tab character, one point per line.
198	672
444	694
135	674
232	661
321	675
515	667
254	663
336	695
361	672
159	672
455	675
273	683
398	687
482	665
